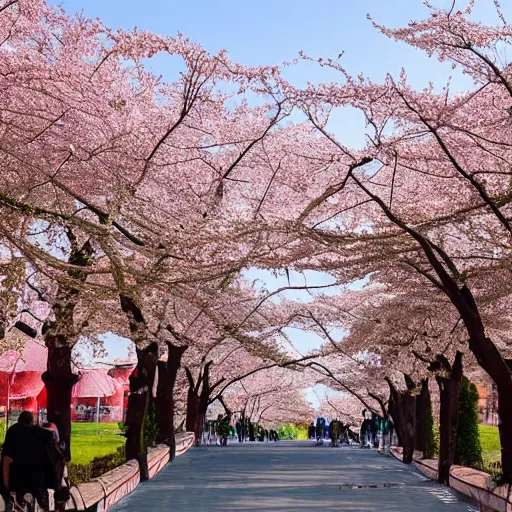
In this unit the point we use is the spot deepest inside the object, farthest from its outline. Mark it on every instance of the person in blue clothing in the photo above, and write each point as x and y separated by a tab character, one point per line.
320	429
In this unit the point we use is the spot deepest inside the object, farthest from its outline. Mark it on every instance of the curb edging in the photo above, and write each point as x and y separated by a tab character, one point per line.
471	482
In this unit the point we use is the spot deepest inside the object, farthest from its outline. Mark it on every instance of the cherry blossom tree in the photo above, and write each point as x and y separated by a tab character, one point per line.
429	193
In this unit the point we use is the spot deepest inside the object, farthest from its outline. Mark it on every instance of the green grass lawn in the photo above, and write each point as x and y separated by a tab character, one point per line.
91	440
490	441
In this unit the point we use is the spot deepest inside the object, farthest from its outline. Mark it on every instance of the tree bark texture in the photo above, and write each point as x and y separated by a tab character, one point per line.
60	335
198	399
141	384
403	411
422	405
167	373
59	380
449	388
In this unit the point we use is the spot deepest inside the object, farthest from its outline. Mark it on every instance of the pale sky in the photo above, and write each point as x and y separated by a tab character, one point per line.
274	31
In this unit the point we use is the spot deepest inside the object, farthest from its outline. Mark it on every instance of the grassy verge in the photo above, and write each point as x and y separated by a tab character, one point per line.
91	440
490	441
95	449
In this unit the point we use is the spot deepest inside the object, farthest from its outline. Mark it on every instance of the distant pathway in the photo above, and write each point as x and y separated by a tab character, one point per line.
290	476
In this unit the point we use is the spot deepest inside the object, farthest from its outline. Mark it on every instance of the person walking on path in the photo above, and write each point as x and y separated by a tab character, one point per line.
58	467
26	463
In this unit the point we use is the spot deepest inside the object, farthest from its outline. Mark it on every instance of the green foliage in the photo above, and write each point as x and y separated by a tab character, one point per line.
491	448
95	449
121	425
431	443
80	473
469	450
292	431
436	435
150	427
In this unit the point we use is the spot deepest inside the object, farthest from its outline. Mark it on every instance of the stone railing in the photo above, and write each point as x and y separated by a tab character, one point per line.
100	494
471	482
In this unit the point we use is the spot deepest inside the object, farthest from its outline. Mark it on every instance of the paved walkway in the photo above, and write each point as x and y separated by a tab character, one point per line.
291	476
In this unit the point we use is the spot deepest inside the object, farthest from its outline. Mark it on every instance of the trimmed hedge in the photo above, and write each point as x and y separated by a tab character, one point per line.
431	443
81	473
469	449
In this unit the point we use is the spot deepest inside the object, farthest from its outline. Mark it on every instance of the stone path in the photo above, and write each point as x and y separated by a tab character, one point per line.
291	476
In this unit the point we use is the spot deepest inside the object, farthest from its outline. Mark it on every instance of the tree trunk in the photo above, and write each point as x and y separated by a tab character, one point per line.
59	380
449	388
393	412
59	335
141	384
167	373
409	413
422	406
192	412
505	428
199	426
198	399
403	411
204	398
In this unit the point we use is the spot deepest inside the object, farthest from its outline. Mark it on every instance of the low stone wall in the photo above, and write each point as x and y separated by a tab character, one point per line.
471	482
481	488
427	467
102	493
184	442
158	457
397	453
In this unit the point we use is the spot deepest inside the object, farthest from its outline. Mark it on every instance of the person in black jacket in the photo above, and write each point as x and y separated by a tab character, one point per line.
28	461
56	473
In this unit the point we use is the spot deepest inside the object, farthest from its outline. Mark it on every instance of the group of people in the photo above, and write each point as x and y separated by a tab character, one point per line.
336	431
220	430
33	462
246	430
371	426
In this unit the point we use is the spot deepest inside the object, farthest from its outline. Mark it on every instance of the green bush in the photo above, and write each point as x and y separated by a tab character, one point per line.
80	473
292	431
469	450
431	441
436	434
150	426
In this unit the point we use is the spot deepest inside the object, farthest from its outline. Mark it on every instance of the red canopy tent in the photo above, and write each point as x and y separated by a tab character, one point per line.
21	386
95	386
121	372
